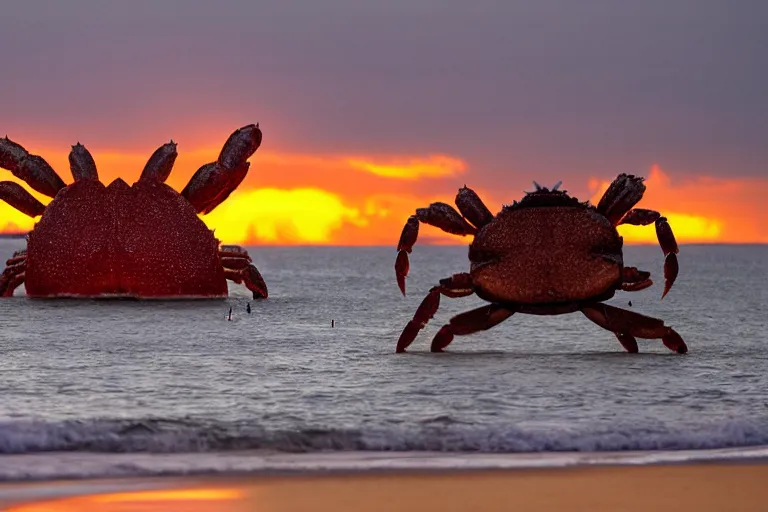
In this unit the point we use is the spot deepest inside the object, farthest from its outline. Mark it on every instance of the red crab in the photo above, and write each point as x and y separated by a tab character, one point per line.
143	241
548	254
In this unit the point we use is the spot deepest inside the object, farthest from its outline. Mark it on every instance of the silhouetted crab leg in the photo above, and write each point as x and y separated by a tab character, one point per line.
238	268
472	207
458	285
16	196
234	251
160	164
18	257
628	325
624	193
643	217
81	164
33	169
252	279
640	217
479	319
634	280
215	181
669	246
13	276
440	215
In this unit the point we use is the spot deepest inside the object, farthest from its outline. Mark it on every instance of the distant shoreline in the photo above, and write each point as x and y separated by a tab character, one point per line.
12	236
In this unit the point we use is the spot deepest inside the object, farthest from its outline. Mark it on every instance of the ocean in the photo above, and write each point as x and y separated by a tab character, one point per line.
122	387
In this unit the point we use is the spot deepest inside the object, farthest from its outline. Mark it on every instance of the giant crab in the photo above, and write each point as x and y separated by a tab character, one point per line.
145	240
548	254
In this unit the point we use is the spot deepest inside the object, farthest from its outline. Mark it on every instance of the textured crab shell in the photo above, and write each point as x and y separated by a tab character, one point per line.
546	255
143	240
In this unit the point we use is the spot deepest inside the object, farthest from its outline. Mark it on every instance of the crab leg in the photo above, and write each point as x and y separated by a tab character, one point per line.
634	280
234	251
81	164
642	217
12	277
669	246
215	181
238	268
479	319
18	257
624	193
252	279
628	325
472	207
160	164
16	196
440	215
33	169
458	285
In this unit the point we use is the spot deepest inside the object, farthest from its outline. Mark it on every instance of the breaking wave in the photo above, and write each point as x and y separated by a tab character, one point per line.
188	436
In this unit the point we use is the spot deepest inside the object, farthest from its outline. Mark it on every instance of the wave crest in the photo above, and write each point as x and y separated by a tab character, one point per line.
187	436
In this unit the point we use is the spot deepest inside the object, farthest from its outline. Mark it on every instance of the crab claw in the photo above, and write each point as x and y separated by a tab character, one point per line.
669	246
404	246
252	279
15	195
33	169
240	146
409	234
670	272
212	184
11	154
81	164
254	282
160	164
402	266
666	236
622	194
215	181
472	207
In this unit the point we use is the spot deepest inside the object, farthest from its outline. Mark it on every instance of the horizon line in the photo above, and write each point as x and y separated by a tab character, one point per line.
11	236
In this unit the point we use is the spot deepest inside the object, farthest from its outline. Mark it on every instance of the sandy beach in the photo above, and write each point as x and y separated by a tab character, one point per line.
697	487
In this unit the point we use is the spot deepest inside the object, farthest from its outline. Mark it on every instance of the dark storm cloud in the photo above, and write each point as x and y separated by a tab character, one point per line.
552	89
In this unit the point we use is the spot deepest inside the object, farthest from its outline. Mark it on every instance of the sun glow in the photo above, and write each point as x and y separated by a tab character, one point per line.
273	216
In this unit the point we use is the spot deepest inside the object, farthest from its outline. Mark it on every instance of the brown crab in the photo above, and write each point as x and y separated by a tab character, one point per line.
548	254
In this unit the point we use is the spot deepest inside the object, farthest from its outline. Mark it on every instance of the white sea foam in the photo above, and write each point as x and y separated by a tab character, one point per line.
67	465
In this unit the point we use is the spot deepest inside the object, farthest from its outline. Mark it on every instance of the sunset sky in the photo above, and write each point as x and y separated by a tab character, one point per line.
372	109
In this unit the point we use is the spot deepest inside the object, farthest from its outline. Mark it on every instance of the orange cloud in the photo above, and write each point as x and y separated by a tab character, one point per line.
701	210
435	166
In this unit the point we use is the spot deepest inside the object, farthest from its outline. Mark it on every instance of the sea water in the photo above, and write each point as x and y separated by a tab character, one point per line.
123	387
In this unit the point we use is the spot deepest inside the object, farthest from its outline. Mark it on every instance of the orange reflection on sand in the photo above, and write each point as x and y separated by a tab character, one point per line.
163	500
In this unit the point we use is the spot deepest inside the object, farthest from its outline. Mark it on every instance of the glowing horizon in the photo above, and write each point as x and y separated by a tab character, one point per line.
364	200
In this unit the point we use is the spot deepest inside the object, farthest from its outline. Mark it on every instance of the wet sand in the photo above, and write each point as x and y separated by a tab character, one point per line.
696	487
